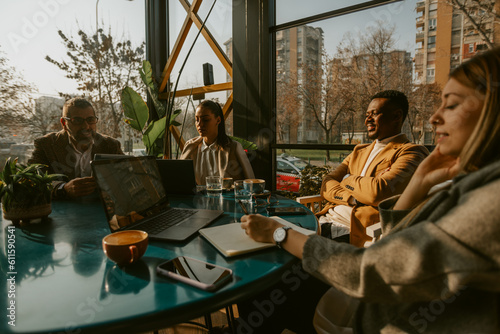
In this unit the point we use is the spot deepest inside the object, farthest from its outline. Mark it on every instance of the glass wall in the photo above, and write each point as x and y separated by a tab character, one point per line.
327	68
52	50
219	24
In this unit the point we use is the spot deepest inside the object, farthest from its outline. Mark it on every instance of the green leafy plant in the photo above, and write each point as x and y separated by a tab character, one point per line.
137	113
247	145
311	179
24	186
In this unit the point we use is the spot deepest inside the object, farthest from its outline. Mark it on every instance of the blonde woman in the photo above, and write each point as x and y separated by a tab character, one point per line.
437	269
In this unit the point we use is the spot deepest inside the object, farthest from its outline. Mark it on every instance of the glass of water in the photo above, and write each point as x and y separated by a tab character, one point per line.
214	185
241	193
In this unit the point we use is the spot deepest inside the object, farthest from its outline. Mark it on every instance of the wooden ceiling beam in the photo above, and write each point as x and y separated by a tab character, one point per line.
186	26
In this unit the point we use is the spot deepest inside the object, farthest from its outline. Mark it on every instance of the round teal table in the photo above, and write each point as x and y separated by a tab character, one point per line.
58	279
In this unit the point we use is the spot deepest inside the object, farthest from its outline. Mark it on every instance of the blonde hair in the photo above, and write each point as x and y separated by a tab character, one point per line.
482	73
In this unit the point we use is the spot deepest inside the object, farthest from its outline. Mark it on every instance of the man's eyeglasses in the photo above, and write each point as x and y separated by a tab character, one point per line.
80	120
372	114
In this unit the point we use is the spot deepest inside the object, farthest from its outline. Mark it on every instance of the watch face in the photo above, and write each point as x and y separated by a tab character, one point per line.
279	234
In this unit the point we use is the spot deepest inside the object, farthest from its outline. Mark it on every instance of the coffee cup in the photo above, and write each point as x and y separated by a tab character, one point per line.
125	247
254	186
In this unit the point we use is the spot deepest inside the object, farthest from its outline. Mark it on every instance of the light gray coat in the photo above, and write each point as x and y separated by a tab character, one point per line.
439	273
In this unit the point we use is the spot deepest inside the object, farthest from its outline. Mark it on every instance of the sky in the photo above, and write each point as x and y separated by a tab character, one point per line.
28	31
400	14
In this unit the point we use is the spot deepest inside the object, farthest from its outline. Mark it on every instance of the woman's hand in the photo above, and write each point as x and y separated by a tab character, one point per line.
259	228
434	169
437	168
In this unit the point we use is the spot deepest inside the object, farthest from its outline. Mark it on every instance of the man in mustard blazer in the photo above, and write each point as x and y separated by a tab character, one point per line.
372	172
70	150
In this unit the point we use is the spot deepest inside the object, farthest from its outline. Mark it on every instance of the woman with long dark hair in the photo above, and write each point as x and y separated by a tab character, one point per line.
437	268
213	152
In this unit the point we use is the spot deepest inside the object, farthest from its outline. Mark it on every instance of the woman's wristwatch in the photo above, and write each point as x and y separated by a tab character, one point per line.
280	234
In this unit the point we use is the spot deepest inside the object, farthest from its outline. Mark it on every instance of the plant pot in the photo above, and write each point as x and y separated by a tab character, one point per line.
25	214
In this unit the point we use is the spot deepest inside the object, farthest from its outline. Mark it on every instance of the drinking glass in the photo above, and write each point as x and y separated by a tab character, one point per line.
227	183
241	193
214	185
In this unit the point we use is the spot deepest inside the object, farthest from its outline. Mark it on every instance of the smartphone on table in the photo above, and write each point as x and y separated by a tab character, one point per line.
286	211
203	275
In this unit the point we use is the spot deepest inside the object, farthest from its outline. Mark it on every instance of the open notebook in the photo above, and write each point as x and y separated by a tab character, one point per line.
231	239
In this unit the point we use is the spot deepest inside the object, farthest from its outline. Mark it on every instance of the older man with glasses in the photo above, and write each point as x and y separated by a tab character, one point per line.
70	150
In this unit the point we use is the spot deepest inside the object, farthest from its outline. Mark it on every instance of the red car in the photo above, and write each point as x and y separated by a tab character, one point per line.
288	172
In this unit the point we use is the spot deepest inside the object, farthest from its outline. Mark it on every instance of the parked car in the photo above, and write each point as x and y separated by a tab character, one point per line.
288	170
139	152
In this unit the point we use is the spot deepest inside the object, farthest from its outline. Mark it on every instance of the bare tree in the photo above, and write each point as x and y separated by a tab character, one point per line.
45	115
482	14
368	63
102	66
289	110
423	100
15	100
325	95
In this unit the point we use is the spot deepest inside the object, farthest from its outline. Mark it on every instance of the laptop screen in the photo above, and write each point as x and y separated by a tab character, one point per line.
131	189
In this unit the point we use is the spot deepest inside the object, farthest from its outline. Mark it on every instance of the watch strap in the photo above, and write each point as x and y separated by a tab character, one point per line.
284	228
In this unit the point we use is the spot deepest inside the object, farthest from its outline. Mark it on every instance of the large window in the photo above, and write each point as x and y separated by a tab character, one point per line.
52	50
332	56
219	24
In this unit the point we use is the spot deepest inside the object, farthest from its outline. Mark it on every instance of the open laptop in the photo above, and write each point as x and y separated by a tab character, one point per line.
133	197
178	176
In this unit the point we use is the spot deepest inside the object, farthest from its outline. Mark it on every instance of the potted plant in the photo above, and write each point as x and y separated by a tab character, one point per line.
151	123
25	191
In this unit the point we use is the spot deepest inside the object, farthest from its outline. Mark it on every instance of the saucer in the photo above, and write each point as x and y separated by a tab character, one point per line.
265	193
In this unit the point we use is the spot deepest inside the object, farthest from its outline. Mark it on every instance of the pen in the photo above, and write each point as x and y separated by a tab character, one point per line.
243	207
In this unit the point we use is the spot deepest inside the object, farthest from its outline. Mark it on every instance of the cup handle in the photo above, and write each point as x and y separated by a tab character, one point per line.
134	253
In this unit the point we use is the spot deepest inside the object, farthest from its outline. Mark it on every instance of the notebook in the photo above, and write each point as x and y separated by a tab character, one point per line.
178	176
133	197
231	239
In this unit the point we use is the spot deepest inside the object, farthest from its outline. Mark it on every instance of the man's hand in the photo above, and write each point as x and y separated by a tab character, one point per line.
80	187
259	228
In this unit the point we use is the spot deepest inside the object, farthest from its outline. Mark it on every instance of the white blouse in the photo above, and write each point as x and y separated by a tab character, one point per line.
207	163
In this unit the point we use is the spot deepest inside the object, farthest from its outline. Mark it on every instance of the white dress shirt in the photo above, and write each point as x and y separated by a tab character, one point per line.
82	160
207	163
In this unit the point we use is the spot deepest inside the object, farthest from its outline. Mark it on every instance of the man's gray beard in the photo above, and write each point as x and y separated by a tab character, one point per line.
83	142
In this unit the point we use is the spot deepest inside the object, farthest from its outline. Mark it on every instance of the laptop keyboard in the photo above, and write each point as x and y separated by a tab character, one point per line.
166	220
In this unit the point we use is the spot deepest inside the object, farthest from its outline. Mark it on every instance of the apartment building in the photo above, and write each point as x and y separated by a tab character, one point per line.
450	32
297	47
